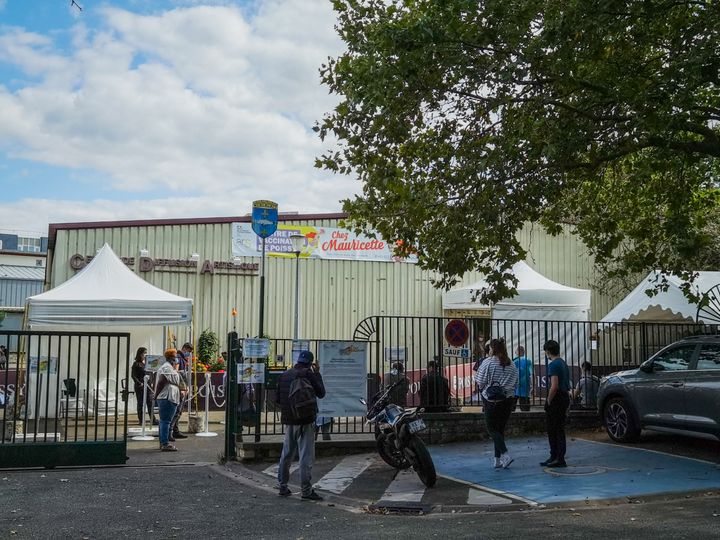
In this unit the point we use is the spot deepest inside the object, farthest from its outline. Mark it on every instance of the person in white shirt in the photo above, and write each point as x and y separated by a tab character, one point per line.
496	380
167	394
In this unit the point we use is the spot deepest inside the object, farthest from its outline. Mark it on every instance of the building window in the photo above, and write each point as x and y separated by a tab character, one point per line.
29	245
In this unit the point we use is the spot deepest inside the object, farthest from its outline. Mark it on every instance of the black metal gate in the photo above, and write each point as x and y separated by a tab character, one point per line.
413	342
63	399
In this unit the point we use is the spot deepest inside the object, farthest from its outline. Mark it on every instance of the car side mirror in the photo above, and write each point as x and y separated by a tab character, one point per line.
647	367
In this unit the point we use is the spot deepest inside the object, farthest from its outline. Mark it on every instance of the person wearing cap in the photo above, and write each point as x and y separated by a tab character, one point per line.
167	395
299	432
184	358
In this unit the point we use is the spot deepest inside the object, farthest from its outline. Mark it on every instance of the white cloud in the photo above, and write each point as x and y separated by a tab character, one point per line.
196	100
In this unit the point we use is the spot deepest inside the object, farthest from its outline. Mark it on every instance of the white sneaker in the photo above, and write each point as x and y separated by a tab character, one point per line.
497	463
505	460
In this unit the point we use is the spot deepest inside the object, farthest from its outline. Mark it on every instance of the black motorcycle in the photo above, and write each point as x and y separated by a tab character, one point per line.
396	437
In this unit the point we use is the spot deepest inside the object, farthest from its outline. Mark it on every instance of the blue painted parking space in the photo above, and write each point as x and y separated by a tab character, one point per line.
595	470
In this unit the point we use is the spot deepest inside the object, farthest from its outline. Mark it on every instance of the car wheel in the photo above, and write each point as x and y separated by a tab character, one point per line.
619	421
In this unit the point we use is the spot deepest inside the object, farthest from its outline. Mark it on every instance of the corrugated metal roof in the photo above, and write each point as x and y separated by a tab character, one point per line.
34	273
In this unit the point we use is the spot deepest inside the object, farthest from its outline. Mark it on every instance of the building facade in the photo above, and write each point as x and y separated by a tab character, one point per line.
22	273
211	261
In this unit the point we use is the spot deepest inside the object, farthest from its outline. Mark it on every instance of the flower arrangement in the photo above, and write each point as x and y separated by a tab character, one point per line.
217	365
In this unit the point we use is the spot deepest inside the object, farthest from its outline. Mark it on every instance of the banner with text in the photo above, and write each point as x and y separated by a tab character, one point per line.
320	243
343	365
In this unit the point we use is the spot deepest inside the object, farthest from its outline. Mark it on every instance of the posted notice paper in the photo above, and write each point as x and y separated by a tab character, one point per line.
343	365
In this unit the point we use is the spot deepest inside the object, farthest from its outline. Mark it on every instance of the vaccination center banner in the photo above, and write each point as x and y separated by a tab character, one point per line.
320	243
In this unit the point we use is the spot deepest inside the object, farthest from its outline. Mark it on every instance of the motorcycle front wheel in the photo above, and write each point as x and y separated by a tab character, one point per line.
424	466
389	454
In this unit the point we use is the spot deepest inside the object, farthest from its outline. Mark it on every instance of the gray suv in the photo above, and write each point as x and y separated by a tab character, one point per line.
677	390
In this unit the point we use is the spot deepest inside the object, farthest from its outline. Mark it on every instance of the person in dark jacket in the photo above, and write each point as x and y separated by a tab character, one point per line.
399	394
434	389
138	376
299	432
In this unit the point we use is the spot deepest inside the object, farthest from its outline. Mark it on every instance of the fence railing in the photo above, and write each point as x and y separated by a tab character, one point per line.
59	389
414	341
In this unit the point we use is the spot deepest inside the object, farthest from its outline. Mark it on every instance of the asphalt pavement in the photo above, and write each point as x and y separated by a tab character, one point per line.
189	494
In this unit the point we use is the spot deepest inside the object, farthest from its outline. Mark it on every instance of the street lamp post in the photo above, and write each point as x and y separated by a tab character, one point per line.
298	242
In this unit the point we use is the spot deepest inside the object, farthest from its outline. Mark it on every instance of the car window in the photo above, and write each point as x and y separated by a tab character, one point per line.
709	357
675	359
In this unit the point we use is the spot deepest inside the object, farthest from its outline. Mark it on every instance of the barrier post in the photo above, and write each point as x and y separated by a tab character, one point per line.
143	436
207	433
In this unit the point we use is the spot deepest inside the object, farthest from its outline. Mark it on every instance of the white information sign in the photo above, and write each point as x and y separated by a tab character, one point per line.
343	365
251	373
460	352
395	354
299	345
256	348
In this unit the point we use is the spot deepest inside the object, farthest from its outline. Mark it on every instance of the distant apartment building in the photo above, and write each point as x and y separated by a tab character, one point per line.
22	272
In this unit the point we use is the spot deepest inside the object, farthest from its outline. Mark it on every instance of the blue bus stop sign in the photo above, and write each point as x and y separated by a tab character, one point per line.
264	218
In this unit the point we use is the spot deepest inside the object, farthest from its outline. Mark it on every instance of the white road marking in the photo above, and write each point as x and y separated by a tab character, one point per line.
273	469
406	487
343	474
475	496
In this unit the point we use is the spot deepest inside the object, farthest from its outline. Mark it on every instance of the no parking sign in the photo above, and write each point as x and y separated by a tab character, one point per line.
457	333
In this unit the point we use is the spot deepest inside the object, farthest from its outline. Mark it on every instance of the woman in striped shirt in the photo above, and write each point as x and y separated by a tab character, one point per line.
496	380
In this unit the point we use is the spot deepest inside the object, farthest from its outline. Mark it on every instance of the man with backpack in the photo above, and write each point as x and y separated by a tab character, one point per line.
297	393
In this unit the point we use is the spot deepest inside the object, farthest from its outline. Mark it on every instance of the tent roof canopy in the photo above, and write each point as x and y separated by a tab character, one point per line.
107	292
533	290
639	306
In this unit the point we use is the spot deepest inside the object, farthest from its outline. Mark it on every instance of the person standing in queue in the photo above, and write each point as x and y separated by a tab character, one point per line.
184	359
138	376
297	393
167	394
497	378
434	388
398	396
556	405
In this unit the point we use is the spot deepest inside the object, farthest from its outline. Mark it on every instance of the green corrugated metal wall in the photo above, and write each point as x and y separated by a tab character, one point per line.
335	295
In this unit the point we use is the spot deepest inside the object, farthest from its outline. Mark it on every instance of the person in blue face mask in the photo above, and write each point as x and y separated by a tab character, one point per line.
184	359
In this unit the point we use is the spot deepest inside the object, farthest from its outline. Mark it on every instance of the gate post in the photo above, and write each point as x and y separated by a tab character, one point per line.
233	347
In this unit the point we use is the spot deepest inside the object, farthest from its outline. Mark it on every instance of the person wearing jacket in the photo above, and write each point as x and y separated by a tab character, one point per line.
498	371
434	389
299	432
184	358
167	394
138	376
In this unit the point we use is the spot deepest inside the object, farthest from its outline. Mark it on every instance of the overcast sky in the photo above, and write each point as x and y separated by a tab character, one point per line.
141	109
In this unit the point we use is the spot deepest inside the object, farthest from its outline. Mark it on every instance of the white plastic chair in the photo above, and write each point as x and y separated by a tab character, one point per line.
105	399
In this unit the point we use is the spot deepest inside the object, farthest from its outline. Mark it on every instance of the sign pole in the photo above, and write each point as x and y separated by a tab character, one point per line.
261	329
264	223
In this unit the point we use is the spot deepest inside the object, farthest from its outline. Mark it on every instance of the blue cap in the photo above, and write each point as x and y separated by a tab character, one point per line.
305	357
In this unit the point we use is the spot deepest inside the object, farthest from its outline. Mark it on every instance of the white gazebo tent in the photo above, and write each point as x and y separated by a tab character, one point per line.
519	319
666	306
106	296
538	298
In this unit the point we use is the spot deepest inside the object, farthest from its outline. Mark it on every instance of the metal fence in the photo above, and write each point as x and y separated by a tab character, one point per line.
414	341
63	398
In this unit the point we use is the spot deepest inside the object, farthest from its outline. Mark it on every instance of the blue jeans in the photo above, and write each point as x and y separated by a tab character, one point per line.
167	411
298	439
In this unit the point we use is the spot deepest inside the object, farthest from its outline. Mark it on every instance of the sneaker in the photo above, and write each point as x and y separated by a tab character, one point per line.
557	464
179	435
547	462
168	448
506	461
312	496
497	463
284	492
